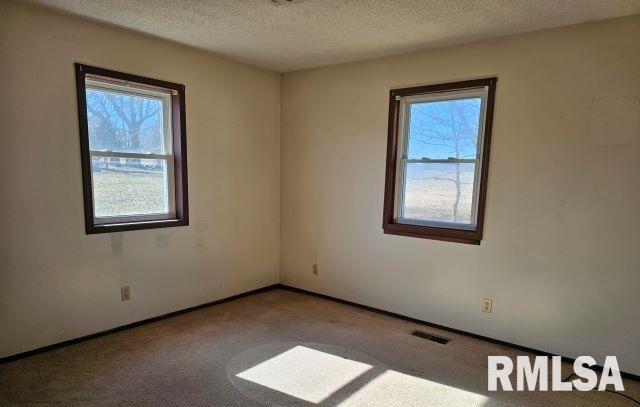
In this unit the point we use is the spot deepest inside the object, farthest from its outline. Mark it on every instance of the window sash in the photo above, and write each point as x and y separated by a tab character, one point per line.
449	160
131	88
170	196
402	158
119	154
120	88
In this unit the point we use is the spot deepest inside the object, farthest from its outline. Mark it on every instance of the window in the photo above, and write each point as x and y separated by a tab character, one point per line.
133	145
438	160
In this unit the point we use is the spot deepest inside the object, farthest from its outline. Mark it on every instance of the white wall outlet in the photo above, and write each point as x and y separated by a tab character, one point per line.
487	303
315	269
125	293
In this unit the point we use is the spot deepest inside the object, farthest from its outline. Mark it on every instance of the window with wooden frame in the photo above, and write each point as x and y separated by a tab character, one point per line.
133	146
438	160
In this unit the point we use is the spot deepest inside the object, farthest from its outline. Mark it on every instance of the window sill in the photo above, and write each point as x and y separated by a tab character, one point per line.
139	225
426	232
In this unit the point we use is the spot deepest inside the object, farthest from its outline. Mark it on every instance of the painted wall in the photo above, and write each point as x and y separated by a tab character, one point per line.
57	283
560	255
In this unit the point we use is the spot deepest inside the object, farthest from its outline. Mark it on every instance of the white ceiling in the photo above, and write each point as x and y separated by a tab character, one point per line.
313	33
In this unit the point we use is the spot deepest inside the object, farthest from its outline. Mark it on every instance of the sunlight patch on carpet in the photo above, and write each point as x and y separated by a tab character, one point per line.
305	373
398	389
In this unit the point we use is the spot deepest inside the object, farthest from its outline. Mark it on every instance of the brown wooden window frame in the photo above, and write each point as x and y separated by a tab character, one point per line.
179	145
389	225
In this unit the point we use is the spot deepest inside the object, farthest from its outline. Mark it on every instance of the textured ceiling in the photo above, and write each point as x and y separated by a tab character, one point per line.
313	33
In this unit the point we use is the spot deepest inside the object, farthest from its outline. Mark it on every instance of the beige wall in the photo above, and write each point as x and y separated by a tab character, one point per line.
56	282
560	257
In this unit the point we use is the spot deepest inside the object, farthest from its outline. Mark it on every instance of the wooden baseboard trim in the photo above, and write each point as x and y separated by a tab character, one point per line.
536	352
68	342
58	345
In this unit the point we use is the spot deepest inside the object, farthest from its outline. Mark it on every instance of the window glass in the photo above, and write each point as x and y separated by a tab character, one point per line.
124	122
443	129
130	149
440	164
439	192
129	186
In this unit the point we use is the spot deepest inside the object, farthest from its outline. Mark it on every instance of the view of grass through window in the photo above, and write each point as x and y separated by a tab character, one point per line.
128	190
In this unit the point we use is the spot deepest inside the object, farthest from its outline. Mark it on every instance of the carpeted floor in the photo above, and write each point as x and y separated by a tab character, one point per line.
274	348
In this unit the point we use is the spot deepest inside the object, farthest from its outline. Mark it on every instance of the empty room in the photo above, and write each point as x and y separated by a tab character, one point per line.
320	202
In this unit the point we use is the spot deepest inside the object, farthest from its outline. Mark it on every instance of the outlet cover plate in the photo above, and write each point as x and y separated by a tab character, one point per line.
487	304
125	293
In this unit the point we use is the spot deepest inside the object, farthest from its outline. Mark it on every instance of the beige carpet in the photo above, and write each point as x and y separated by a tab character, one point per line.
274	348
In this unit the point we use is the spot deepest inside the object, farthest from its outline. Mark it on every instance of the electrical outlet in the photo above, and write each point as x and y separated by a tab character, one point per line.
486	304
125	293
315	269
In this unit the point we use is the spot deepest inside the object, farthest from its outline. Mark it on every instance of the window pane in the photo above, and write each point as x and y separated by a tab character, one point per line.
439	192
443	129
129	186
124	122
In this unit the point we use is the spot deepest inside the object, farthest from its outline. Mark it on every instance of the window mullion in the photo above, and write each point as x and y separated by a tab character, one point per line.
118	154
442	161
